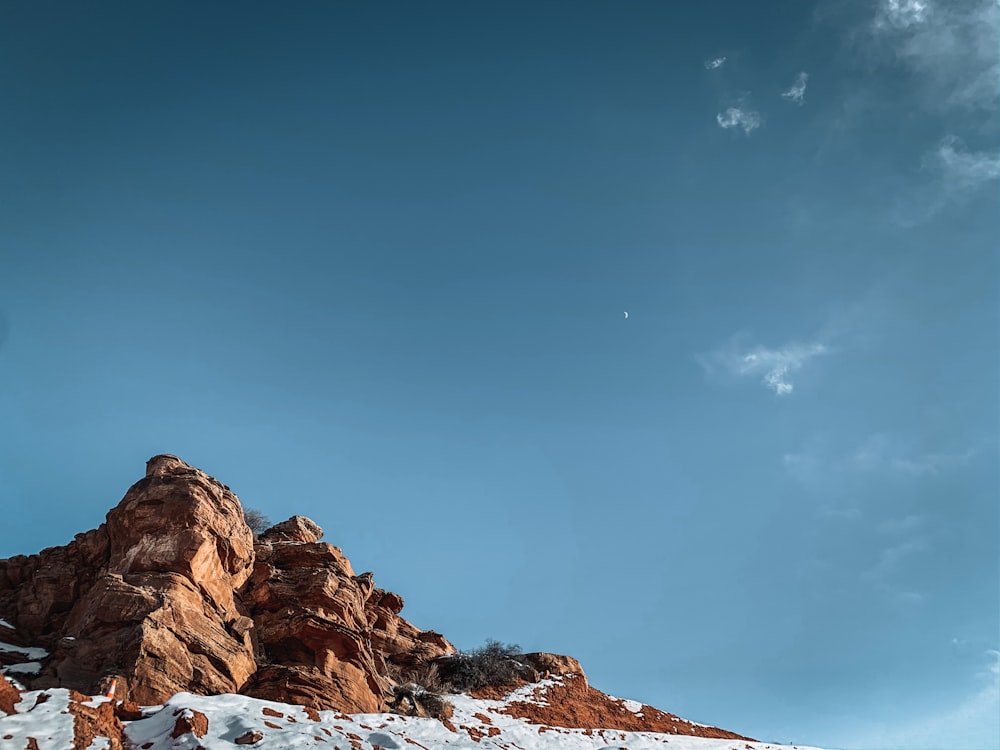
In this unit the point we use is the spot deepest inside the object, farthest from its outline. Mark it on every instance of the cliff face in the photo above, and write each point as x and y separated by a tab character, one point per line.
173	594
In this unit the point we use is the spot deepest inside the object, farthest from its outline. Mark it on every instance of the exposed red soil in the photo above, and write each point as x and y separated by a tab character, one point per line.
90	722
573	704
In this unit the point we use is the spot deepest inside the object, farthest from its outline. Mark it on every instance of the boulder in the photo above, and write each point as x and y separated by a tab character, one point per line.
295	529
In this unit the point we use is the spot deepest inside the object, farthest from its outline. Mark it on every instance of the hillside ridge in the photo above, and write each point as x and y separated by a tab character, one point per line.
174	594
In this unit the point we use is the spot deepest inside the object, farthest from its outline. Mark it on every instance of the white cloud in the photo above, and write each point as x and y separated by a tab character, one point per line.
797	92
774	367
954	47
738	117
902	14
971	722
952	175
962	170
718	62
777	365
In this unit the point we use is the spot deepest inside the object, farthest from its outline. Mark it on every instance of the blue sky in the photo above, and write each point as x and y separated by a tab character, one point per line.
369	263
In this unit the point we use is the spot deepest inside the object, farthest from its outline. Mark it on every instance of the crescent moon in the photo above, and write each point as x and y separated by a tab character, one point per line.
626	314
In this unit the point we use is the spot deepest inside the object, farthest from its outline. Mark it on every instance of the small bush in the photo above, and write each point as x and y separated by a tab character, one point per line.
492	665
257	521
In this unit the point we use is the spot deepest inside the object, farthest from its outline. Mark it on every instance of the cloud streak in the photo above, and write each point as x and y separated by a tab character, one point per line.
952	174
739	117
773	367
797	92
715	64
963	170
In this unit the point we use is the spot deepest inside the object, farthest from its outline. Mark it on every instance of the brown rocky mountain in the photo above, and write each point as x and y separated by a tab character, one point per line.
174	594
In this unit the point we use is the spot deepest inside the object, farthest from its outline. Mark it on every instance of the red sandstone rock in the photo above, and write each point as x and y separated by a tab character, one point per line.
295	529
572	703
190	722
90	721
172	594
9	696
323	630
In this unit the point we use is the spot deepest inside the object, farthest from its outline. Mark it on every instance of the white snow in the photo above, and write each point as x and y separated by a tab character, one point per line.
286	727
6	624
29	651
28	667
230	716
50	723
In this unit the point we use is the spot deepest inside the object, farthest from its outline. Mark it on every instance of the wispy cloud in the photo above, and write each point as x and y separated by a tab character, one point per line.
963	170
901	14
900	526
953	46
932	464
797	92
718	62
970	723
880	452
774	367
821	467
777	365
890	569
891	559
739	117
951	174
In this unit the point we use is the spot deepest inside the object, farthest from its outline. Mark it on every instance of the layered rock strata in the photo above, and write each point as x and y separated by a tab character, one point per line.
173	594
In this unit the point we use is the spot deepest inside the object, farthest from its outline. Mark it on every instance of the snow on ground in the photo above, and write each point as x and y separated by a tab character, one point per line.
478	725
633	706
28	667
48	721
6	624
29	651
232	716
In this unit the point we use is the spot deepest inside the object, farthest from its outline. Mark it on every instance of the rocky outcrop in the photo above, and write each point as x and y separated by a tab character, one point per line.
173	594
150	596
325	633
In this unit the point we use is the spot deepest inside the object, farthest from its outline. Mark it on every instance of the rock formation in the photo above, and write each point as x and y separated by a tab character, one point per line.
173	594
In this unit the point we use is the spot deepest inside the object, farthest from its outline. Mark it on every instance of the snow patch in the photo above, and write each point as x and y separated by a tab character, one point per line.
29	651
49	722
28	667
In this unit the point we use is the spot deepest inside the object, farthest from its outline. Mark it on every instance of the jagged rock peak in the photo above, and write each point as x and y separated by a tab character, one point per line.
295	529
173	594
166	463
